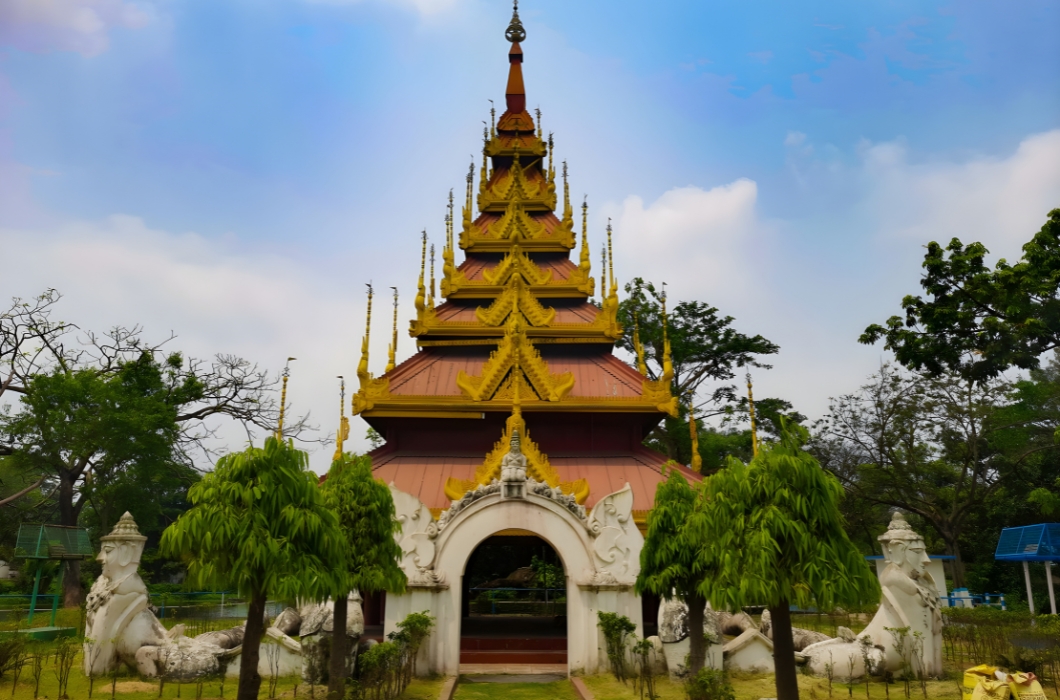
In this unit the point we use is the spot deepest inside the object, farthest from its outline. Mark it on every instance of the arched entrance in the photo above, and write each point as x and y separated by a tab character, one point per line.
514	602
599	553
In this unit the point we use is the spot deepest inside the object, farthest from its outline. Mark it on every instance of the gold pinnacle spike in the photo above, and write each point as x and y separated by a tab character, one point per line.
697	460
362	367
515	32
430	299
642	366
283	396
668	364
344	423
421	296
392	352
610	259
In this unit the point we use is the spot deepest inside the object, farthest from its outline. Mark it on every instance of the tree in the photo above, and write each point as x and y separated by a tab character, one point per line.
669	559
704	348
366	517
937	447
75	424
258	524
771	532
979	322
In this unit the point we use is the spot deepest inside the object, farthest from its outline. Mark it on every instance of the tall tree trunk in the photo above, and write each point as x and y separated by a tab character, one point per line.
784	653
337	670
68	517
958	563
249	678
697	648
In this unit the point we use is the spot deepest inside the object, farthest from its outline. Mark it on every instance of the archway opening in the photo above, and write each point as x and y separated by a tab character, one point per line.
514	602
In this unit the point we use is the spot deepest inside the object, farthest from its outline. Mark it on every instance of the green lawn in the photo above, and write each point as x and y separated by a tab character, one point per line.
560	690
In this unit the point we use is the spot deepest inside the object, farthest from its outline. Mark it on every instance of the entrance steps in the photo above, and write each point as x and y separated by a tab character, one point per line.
513	650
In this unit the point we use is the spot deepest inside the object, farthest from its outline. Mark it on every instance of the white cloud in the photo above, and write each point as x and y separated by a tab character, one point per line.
701	242
215	295
1001	202
66	25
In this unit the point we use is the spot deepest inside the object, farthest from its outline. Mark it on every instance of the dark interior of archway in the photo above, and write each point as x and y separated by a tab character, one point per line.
514	602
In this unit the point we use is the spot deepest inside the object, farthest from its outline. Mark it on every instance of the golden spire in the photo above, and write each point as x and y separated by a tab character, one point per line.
751	408
430	299
493	120
421	302
668	365
697	461
584	264
392	352
540	132
610	260
362	367
283	397
344	422
642	366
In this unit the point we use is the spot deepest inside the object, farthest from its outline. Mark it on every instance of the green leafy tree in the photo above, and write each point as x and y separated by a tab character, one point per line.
978	322
770	532
366	517
940	447
669	561
704	348
96	414
258	524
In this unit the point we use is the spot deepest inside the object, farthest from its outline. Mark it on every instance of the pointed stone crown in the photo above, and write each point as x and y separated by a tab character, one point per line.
899	530
126	530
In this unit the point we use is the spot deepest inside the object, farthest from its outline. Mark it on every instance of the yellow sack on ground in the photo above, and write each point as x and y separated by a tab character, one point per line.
1025	686
990	689
972	677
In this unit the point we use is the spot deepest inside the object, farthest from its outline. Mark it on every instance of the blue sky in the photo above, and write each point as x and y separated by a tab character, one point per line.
234	171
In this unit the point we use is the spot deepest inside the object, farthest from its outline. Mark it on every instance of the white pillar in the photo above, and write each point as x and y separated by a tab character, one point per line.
1027	577
1049	582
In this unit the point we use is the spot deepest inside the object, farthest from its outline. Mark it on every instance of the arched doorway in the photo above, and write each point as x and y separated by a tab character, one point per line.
514	602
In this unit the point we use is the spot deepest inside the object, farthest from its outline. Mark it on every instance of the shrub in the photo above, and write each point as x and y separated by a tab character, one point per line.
709	684
616	628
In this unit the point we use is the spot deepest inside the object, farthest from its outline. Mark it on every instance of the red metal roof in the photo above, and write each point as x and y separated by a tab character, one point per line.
424	476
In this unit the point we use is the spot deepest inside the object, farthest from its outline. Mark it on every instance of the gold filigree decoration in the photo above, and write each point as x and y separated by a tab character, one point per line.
538	466
516	298
515	354
517	262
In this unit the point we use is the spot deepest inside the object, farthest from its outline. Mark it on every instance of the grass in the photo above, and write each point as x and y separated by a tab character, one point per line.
424	688
560	690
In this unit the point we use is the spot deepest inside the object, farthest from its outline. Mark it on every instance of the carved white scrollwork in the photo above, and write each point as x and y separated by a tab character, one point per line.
611	524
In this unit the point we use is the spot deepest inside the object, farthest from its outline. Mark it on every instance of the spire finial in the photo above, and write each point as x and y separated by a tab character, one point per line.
584	263
751	409
362	367
344	422
515	32
283	397
392	351
430	299
668	364
642	366
610	259
697	461
421	296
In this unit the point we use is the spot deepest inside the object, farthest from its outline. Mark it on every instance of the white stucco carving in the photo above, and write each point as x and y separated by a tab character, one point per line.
416	538
909	599
513	469
611	524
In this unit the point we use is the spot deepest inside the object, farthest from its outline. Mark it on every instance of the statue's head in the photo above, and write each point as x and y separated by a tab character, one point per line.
516	448
903	547
121	549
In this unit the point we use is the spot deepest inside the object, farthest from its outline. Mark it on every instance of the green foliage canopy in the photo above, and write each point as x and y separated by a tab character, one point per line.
258	524
978	322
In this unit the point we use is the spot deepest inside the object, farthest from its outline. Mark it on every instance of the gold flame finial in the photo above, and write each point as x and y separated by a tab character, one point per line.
751	410
668	364
610	260
421	295
642	366
430	299
344	423
697	461
584	263
392	351
362	367
283	396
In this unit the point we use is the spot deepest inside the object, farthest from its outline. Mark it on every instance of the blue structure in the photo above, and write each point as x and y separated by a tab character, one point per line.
1032	543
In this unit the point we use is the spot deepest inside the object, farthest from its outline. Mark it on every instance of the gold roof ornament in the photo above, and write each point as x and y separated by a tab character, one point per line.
697	461
392	351
371	389
516	299
642	366
667	363
515	32
421	293
283	396
343	433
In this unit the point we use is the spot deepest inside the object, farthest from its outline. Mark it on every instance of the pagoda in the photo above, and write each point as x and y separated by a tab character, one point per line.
514	419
